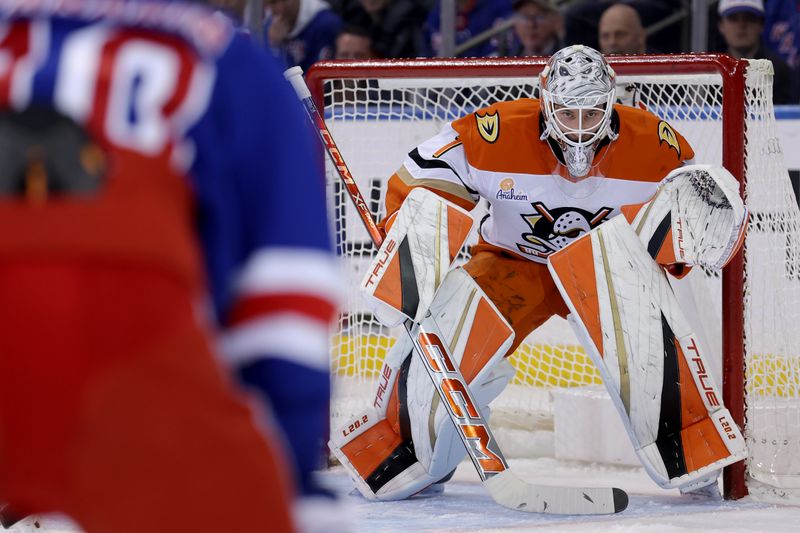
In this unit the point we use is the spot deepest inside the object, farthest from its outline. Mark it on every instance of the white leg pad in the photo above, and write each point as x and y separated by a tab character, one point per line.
653	365
467	322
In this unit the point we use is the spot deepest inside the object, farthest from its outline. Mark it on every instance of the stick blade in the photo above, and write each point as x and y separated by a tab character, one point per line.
509	490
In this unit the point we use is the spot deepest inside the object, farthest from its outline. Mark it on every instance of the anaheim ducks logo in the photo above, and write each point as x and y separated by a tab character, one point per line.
668	135
488	126
553	229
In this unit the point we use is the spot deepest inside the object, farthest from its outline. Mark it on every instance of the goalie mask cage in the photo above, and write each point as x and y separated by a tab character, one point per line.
378	111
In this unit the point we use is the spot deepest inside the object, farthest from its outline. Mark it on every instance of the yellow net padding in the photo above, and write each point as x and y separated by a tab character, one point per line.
773	376
538	365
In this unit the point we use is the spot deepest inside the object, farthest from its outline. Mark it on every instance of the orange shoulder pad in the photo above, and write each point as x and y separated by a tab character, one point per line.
504	137
647	149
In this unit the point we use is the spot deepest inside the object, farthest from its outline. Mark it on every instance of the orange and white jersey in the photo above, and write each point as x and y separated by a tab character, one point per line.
535	209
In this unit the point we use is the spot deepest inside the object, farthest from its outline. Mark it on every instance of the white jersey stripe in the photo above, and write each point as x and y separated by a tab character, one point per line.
281	270
81	62
292	336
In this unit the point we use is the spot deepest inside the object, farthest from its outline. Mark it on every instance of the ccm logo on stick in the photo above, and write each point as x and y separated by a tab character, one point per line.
435	353
465	413
337	157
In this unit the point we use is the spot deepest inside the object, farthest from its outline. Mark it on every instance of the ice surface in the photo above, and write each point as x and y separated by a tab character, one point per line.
466	507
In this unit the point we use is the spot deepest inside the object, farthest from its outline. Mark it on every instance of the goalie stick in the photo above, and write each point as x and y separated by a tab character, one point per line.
503	484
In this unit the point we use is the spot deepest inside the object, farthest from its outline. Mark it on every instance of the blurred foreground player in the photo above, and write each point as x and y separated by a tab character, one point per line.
150	165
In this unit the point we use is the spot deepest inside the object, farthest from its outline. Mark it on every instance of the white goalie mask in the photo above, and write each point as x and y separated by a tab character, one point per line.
577	92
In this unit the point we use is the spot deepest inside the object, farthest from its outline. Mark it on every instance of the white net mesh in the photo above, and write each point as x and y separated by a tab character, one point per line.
376	121
772	297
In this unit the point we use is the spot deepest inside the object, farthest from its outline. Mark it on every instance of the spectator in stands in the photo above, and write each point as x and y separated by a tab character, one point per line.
620	31
741	23
354	42
395	26
581	19
537	29
472	18
301	32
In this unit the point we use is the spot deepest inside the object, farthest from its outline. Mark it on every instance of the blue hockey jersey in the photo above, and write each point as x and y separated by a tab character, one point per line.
213	177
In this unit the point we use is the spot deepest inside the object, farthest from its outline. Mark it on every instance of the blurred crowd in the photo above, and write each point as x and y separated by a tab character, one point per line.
302	32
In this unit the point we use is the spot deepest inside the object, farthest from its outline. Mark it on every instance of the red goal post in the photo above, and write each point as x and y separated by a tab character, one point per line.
731	104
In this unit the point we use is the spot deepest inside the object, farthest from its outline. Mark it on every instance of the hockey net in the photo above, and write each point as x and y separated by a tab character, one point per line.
378	111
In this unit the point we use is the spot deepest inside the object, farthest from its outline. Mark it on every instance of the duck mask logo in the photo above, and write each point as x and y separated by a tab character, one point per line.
552	230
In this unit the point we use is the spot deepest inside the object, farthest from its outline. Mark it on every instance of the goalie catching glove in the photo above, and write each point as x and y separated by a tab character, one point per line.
696	217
